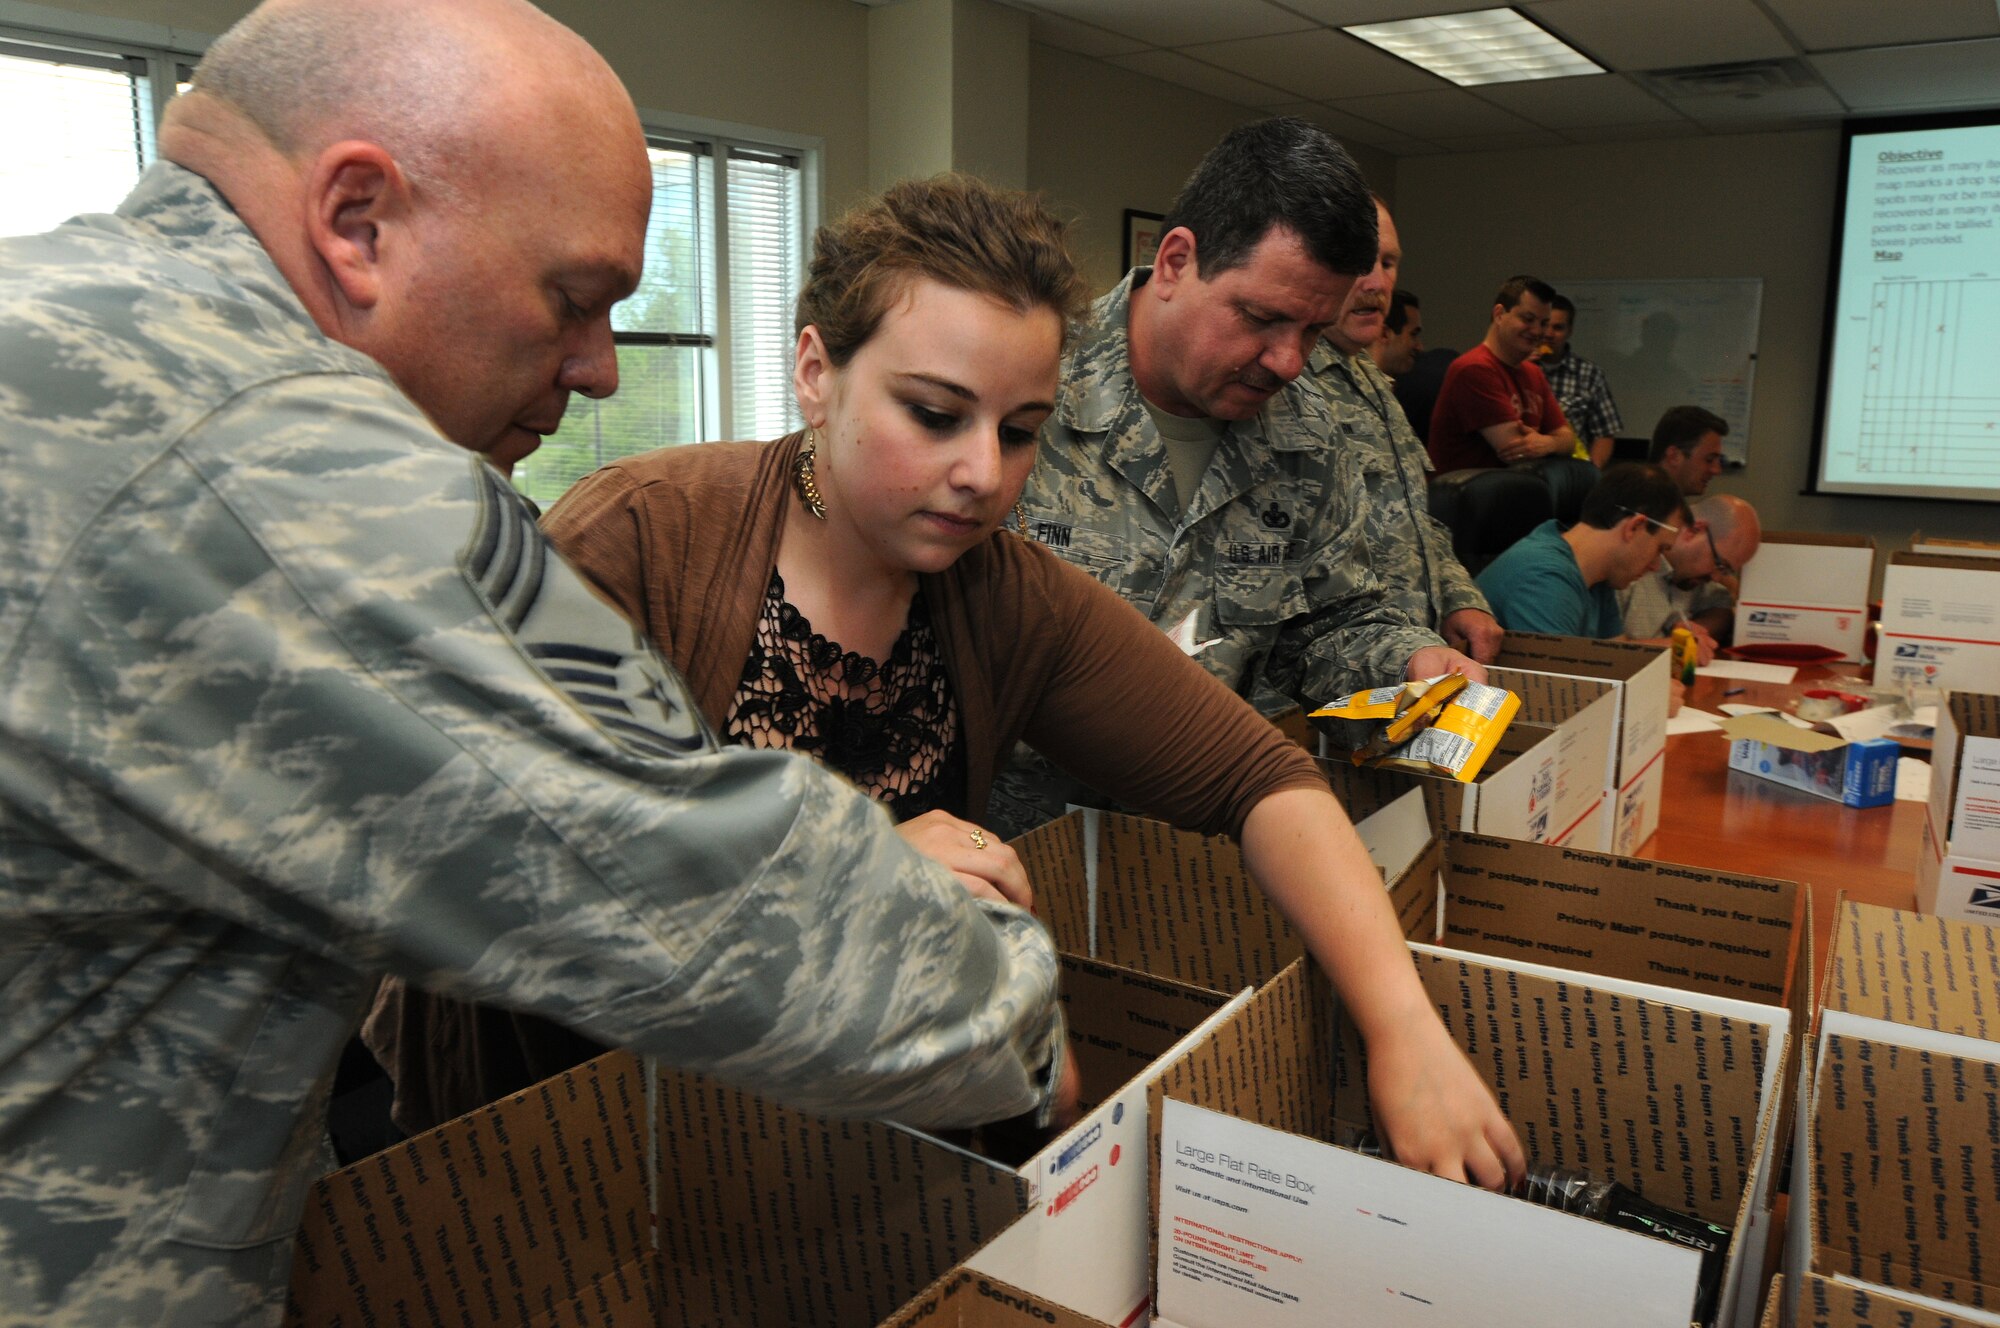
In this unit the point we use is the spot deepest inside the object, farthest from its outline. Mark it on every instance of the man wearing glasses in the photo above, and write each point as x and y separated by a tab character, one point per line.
1567	581
1698	584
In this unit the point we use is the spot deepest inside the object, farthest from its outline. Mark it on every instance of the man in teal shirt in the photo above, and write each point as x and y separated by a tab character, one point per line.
1565	582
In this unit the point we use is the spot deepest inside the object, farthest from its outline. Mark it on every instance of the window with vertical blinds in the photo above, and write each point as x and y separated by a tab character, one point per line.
705	343
81	120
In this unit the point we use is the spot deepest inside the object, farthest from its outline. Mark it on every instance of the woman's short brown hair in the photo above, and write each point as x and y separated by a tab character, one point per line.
954	229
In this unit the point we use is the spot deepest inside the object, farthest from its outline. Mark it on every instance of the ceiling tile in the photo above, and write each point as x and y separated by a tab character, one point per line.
1790	105
1319	65
1531	138
1342	13
1338	123
1069	35
1664	34
1441	113
1174	67
1567	103
1652	129
1914	77
1180	22
1825	25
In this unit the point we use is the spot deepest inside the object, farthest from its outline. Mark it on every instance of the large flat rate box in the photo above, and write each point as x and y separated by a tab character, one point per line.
1809	589
1688	928
1896	1189
1263	1221
1958	868
1641	680
1940	622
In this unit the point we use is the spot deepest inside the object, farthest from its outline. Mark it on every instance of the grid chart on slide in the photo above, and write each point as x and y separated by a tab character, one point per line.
1930	401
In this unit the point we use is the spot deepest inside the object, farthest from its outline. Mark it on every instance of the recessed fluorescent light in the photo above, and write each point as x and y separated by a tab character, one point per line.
1482	46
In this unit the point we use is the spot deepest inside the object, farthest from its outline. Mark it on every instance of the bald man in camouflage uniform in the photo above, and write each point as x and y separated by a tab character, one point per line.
1430	585
1252	548
293	693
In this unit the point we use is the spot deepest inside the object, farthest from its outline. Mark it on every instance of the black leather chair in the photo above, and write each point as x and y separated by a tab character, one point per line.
1487	510
1568	479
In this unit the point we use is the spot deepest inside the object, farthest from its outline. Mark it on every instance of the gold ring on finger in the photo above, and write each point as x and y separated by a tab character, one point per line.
978	837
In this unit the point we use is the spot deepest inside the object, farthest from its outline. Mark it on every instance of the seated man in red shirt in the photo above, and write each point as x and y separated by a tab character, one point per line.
1495	406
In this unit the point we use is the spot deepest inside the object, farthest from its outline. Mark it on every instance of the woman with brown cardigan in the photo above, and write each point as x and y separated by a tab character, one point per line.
850	593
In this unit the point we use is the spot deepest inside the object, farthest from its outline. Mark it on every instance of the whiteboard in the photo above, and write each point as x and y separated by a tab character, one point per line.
1687	342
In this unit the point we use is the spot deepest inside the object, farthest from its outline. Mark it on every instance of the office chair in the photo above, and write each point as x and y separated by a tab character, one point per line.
1487	510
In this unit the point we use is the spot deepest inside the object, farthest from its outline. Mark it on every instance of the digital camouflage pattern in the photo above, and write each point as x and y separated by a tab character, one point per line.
1410	547
292	693
1270	558
1273	539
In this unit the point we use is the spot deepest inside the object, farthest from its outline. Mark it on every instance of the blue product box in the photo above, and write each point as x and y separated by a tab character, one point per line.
1859	774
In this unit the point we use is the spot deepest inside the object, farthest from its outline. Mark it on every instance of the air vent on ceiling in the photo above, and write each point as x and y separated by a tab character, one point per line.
1749	78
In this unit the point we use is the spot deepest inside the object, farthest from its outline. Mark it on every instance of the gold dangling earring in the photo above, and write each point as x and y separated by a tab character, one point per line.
803	479
1021	520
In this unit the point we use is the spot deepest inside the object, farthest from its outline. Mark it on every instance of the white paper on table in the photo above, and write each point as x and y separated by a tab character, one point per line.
1690	720
1913	779
1732	710
1874	722
1748	671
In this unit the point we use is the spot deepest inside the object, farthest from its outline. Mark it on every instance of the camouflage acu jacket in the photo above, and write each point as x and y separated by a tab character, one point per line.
1411	548
292	692
1270	554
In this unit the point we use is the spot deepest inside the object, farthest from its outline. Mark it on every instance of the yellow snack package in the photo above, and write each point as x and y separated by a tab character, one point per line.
1446	726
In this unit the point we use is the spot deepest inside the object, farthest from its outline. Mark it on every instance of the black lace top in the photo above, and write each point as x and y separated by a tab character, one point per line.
891	728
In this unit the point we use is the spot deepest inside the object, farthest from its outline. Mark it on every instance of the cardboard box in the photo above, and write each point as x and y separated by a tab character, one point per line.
1807	588
609	1196
1895	1191
778	1216
1940	622
1958	868
1858	774
1830	1302
1545	781
1263	1221
1641	677
1694	929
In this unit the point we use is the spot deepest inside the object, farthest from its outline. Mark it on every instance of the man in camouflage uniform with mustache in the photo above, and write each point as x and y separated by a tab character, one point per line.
293	693
1431	586
1188	466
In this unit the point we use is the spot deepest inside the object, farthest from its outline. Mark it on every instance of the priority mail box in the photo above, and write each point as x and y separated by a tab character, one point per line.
1265	1220
616	1196
1895	1191
1958	867
1807	588
1940	622
1903	1186
1826	1302
1641	679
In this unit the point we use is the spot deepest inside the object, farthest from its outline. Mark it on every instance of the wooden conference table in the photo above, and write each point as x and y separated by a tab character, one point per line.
1711	816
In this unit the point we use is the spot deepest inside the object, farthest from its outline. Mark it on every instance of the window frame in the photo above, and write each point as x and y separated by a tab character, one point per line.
170	53
720	137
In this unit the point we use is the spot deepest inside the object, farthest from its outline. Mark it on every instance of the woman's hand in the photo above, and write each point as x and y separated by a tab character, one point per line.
1433	1111
981	862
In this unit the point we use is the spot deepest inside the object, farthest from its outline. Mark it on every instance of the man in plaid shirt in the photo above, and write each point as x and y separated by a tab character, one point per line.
1579	385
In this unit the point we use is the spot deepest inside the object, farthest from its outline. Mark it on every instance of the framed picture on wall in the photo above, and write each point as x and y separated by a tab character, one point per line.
1142	237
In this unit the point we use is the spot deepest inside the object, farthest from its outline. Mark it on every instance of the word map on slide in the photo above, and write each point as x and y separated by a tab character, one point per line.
1913	395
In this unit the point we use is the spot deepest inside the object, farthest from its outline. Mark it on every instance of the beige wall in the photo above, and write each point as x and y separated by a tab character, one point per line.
1099	139
798	66
1102	139
1746	205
